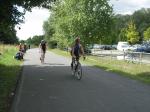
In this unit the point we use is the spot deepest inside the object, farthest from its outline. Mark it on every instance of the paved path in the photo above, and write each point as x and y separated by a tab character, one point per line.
51	88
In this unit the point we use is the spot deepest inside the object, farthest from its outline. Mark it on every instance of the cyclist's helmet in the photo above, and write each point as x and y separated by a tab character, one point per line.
43	42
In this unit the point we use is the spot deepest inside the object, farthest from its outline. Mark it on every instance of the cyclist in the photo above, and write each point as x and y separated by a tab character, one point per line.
42	47
76	51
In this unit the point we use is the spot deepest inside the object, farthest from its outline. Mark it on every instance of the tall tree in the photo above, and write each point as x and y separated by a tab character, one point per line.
140	18
132	34
122	35
35	40
89	19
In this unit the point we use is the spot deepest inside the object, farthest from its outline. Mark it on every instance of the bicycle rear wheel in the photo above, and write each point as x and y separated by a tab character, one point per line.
42	57
73	68
79	72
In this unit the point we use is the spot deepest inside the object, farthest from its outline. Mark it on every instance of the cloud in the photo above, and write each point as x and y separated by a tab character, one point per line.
33	23
129	6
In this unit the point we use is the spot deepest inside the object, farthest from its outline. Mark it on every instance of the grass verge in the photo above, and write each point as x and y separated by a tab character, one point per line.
132	70
9	70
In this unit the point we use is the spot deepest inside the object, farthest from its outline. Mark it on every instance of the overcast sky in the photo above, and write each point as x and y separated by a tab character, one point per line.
129	6
33	23
34	20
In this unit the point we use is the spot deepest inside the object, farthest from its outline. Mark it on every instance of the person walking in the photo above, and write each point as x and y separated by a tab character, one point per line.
42	48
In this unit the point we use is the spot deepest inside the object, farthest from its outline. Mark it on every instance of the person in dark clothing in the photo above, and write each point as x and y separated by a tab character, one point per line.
19	55
20	47
29	46
25	48
42	47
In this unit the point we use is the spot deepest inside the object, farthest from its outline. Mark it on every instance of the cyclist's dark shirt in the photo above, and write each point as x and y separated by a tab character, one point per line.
43	46
77	49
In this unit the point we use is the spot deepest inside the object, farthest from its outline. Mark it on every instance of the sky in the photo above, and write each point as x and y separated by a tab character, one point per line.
33	23
129	6
34	20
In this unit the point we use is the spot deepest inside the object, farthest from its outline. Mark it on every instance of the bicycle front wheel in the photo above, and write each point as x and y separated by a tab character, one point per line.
79	72
73	68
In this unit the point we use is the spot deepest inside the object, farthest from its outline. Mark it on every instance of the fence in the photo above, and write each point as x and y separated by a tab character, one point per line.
130	56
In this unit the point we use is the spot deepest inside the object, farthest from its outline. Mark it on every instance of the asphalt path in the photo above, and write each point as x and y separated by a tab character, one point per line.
50	87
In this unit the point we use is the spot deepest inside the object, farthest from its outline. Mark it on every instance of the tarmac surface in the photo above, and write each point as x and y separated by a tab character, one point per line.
50	87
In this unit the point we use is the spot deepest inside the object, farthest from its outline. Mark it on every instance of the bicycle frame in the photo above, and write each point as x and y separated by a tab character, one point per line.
77	69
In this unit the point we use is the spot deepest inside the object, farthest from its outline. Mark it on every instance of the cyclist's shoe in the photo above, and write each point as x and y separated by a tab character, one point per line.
71	66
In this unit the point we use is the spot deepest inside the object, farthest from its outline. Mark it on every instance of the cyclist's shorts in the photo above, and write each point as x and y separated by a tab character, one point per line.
77	57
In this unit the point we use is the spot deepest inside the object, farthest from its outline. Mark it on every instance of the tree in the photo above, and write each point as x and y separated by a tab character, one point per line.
122	35
48	29
147	34
29	41
132	34
10	15
91	20
141	18
8	37
141	21
35	40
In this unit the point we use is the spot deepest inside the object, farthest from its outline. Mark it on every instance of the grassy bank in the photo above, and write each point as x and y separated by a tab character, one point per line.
9	70
135	71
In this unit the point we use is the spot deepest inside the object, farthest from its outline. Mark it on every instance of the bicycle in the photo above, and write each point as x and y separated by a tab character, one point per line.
77	68
42	57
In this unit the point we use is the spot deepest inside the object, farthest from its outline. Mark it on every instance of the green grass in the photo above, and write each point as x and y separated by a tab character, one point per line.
132	70
60	52
9	70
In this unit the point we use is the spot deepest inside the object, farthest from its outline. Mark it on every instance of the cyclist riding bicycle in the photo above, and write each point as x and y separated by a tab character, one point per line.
42	47
76	51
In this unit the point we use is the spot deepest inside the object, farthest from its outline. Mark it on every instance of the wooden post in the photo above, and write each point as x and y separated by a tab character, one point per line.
141	57
123	55
111	54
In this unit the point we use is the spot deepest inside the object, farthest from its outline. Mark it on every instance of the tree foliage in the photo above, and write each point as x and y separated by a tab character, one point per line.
141	21
35	40
132	34
79	18
91	20
8	37
122	35
147	34
10	15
